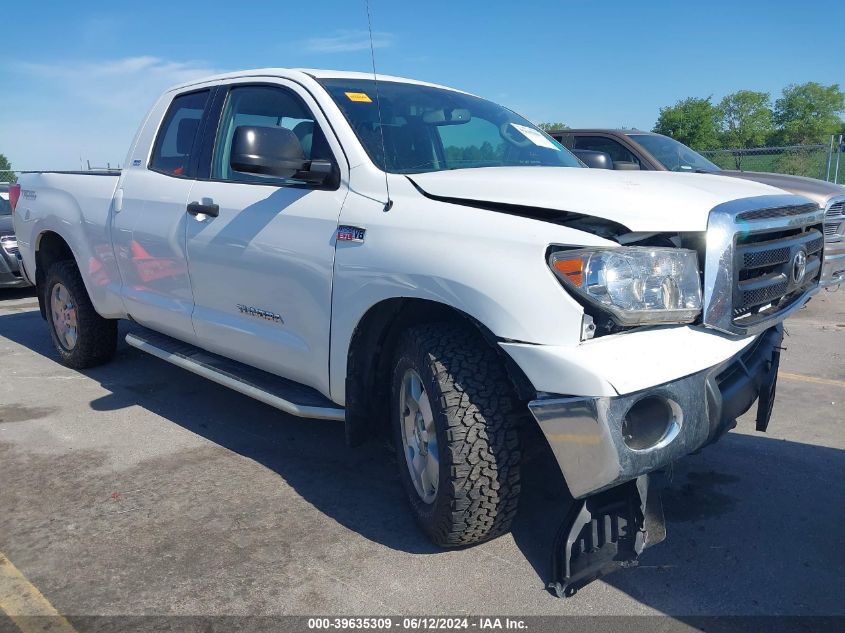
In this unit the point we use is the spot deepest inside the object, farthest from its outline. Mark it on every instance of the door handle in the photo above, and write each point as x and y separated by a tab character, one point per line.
197	208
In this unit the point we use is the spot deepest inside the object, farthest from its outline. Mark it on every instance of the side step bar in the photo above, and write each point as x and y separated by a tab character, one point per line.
285	395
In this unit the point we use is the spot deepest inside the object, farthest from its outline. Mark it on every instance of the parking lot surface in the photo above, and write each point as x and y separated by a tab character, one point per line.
139	488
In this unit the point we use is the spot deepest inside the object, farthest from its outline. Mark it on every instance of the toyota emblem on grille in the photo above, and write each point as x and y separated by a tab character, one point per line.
799	266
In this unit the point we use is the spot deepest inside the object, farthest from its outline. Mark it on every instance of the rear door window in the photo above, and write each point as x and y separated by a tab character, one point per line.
177	141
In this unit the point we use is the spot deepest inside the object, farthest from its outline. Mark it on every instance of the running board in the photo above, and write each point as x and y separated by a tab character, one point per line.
285	395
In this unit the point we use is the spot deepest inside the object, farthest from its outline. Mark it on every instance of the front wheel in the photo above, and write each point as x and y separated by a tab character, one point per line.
453	414
81	337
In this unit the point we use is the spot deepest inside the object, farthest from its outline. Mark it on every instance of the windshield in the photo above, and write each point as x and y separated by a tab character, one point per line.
673	155
5	207
433	129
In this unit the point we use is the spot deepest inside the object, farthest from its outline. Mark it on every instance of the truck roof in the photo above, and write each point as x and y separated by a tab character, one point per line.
299	73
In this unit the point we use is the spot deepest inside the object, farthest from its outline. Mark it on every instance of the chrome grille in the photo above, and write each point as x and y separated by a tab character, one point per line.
757	259
778	212
763	259
834	219
771	289
772	277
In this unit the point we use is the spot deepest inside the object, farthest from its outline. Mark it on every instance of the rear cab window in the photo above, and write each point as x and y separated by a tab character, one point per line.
177	141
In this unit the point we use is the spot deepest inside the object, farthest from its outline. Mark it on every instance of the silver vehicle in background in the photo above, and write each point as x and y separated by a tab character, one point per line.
10	272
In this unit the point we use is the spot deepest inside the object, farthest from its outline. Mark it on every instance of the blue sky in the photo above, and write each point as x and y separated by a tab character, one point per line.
78	76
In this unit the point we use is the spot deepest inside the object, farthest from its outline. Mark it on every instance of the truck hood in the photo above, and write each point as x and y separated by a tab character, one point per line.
641	201
818	191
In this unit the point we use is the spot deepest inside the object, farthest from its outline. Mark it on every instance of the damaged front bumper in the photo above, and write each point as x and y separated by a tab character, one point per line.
833	266
594	438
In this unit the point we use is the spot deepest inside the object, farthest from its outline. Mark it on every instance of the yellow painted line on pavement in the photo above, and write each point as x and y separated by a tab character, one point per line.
818	381
25	605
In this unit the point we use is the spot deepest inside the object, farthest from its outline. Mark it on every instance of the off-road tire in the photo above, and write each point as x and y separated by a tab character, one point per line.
96	337
475	412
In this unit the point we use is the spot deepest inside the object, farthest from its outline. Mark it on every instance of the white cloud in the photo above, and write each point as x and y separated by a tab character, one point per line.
348	41
67	110
117	82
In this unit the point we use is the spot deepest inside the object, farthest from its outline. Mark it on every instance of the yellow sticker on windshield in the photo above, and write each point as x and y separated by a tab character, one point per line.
360	97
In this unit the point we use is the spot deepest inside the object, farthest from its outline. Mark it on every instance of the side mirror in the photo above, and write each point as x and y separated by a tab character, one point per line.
271	151
596	160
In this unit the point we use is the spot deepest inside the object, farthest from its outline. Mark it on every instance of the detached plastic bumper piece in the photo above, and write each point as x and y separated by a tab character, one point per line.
606	532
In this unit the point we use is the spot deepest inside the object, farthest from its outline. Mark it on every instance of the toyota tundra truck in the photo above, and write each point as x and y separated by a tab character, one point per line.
415	260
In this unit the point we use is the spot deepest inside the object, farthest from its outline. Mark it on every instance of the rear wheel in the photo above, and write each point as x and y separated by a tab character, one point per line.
81	337
453	413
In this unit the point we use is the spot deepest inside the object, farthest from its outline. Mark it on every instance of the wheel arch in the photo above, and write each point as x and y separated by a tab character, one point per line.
370	354
50	247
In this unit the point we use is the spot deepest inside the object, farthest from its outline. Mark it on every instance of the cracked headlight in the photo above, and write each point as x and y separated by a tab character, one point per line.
636	285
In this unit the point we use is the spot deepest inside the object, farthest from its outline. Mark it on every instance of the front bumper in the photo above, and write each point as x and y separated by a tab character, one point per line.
833	267
10	271
586	437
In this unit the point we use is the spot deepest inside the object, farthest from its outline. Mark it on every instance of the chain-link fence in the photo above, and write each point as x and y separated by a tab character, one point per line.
825	162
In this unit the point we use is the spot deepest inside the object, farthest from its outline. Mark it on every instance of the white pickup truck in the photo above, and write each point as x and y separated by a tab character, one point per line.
416	260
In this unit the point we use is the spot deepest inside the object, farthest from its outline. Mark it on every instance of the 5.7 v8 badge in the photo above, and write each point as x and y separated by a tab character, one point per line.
346	233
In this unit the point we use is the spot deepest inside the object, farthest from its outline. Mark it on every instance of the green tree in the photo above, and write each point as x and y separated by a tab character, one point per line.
6	173
746	118
692	121
809	113
548	127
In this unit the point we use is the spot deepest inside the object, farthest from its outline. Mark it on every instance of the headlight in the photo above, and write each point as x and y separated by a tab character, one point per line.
637	285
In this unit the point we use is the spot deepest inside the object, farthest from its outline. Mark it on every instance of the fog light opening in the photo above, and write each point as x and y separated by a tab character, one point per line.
651	422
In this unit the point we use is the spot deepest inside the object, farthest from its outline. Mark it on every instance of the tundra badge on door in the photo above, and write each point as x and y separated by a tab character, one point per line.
261	314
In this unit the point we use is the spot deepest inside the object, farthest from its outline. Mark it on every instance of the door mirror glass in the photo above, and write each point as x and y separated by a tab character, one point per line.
270	151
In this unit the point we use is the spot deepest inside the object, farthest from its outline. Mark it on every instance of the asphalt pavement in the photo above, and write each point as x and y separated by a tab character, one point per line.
139	488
